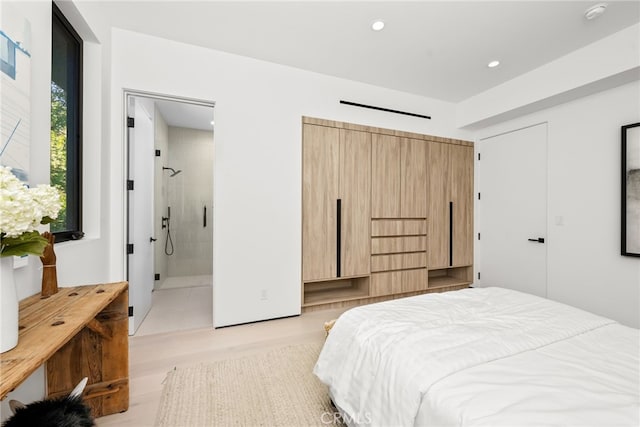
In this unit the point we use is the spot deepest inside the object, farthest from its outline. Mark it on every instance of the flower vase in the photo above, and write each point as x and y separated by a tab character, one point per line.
8	306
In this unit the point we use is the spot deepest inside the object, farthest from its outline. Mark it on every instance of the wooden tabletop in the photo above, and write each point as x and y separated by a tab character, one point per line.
46	324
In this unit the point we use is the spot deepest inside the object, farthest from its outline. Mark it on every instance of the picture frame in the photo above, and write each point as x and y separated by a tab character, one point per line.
15	92
630	238
15	97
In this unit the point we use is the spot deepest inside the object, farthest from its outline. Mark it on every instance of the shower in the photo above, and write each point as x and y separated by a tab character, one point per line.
166	221
183	204
173	171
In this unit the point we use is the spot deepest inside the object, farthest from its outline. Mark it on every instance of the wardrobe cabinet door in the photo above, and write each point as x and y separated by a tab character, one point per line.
355	192
385	176
462	204
439	161
320	192
413	178
450	216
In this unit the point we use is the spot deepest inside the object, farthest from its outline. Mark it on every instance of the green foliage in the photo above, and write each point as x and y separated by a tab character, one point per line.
59	151
27	243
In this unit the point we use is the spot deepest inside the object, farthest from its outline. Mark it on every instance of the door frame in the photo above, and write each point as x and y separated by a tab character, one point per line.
126	94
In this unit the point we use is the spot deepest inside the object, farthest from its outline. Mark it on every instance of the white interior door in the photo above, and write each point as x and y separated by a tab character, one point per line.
140	206
512	180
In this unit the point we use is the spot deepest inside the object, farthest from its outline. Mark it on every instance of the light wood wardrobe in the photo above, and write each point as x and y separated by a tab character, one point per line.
385	214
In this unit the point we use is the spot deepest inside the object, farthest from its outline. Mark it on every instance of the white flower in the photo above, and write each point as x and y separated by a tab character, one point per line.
22	208
48	200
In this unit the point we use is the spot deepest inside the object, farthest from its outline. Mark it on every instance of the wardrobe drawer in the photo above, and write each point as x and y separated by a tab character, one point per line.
390	245
398	227
398	261
387	283
414	280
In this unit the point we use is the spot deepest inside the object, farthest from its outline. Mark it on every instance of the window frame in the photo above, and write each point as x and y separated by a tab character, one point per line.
74	144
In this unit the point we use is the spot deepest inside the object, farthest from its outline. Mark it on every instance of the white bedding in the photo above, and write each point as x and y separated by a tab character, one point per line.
486	356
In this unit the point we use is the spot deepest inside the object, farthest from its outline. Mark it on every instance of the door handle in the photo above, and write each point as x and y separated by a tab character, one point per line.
151	239
450	234
338	236
538	239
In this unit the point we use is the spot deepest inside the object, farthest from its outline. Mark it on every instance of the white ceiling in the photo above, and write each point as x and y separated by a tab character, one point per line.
186	115
438	49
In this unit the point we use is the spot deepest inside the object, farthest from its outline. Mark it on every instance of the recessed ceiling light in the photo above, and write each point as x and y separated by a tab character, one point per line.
377	25
493	64
594	11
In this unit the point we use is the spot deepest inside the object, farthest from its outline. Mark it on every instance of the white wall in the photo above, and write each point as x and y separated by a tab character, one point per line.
78	262
257	170
585	268
29	277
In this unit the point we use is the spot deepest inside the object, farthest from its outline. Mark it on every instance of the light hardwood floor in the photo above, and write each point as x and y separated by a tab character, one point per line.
152	356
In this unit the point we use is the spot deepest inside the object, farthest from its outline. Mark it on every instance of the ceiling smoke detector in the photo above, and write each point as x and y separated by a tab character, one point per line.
594	11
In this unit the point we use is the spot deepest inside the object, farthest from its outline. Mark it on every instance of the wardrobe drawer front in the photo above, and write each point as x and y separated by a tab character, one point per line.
414	227
414	280
398	227
398	261
390	245
386	227
387	283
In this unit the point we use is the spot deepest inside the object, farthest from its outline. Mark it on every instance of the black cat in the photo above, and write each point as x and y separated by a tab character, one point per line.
69	411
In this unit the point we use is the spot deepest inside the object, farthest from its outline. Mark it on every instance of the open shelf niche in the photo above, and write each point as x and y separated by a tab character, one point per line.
325	292
453	276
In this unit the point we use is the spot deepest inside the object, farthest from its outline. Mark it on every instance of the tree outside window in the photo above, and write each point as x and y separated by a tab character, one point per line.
66	125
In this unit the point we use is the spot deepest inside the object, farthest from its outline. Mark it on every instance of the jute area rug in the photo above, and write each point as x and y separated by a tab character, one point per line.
276	388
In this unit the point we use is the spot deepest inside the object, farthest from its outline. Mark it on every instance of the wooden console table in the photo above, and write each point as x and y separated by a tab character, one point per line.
78	332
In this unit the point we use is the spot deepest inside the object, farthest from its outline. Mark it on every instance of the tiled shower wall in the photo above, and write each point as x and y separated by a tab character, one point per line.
188	194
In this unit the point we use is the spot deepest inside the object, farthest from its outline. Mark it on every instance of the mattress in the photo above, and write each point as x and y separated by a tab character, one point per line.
485	356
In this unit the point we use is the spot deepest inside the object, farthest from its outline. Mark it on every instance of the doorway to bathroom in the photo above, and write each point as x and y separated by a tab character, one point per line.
170	213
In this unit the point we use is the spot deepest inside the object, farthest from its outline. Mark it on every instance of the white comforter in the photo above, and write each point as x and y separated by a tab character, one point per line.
481	357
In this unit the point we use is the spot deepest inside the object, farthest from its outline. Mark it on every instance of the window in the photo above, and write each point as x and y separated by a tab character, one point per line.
66	125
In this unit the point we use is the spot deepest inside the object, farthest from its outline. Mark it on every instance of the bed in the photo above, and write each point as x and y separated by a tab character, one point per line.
481	357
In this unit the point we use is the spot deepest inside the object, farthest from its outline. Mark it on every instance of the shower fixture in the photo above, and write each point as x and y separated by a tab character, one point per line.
166	223
173	171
